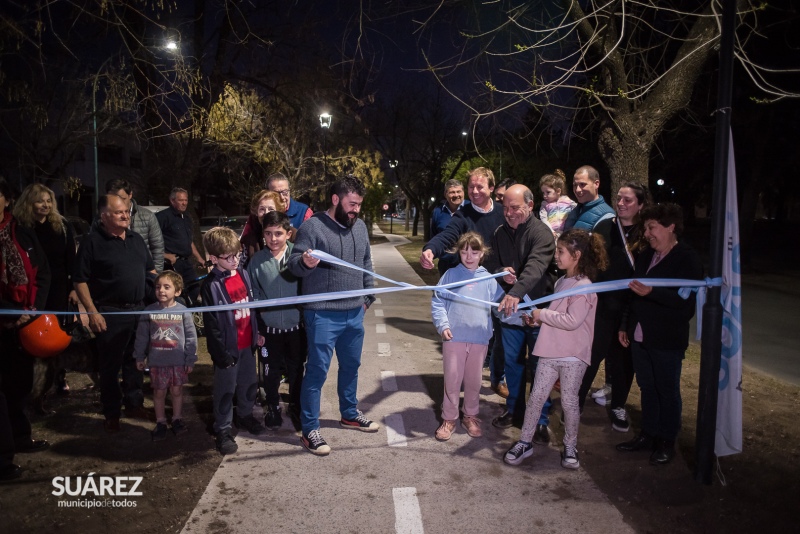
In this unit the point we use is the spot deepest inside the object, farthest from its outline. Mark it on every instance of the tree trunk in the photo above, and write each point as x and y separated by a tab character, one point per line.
627	157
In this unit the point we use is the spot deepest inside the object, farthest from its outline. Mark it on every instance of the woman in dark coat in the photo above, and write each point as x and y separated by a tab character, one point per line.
658	330
36	209
24	283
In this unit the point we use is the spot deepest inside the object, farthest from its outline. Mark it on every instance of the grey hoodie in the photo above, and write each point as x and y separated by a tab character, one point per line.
320	232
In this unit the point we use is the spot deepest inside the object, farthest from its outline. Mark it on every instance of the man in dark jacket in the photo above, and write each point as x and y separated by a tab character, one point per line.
481	215
524	246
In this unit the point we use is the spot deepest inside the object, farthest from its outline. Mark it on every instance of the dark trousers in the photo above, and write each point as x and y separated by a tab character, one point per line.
240	380
287	350
16	383
6	435
497	359
621	374
115	353
185	268
658	373
606	325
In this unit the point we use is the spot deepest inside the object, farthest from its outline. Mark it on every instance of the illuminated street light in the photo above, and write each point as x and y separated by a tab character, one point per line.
325	120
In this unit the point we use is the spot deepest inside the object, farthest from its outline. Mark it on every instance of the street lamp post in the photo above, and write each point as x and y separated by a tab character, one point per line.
171	46
94	132
325	120
393	166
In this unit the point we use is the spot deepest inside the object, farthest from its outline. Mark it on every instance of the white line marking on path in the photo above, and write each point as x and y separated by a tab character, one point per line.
380	328
378	313
384	349
395	430
407	515
377	301
388	381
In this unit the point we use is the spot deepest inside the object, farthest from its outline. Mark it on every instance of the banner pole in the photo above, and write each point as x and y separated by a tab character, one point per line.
711	344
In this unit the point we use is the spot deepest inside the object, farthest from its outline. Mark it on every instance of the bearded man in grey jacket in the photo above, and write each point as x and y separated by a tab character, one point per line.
337	323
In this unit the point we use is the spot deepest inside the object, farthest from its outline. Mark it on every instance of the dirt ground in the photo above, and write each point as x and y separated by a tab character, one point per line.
754	491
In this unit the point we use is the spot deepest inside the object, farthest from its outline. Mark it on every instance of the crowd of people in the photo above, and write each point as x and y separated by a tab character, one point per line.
120	267
565	244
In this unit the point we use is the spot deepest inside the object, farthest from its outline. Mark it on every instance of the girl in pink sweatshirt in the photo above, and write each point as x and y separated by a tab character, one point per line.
564	345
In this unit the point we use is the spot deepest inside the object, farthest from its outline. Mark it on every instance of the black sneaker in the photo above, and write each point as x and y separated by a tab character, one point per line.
518	452
314	443
159	433
273	419
179	427
541	436
359	423
226	443
249	423
504	420
619	419
569	458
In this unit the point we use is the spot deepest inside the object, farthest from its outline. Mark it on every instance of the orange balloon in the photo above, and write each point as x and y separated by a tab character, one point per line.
43	337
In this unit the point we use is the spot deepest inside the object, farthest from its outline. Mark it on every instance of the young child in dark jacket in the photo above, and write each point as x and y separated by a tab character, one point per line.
282	326
232	336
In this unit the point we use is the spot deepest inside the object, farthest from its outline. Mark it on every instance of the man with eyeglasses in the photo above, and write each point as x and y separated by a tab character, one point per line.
296	210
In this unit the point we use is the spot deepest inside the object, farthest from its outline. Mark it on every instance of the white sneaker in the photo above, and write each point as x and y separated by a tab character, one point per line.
604	391
602	401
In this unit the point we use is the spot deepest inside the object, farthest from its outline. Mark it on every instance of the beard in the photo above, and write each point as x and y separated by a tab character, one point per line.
343	217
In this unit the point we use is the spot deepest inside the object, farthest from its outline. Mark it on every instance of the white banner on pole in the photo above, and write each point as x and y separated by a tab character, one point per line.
729	404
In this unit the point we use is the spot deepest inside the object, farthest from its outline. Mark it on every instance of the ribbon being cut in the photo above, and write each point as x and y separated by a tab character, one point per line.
686	287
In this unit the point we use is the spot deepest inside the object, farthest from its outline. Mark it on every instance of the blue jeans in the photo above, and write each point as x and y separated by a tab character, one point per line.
658	373
326	330
518	341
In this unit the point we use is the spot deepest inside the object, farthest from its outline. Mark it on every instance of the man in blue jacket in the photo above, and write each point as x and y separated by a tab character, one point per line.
296	210
442	215
592	208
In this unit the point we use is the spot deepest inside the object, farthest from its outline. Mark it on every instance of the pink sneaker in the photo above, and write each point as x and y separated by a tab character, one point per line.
446	430
472	425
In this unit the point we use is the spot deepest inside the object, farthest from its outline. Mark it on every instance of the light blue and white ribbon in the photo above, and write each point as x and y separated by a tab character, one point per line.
686	287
